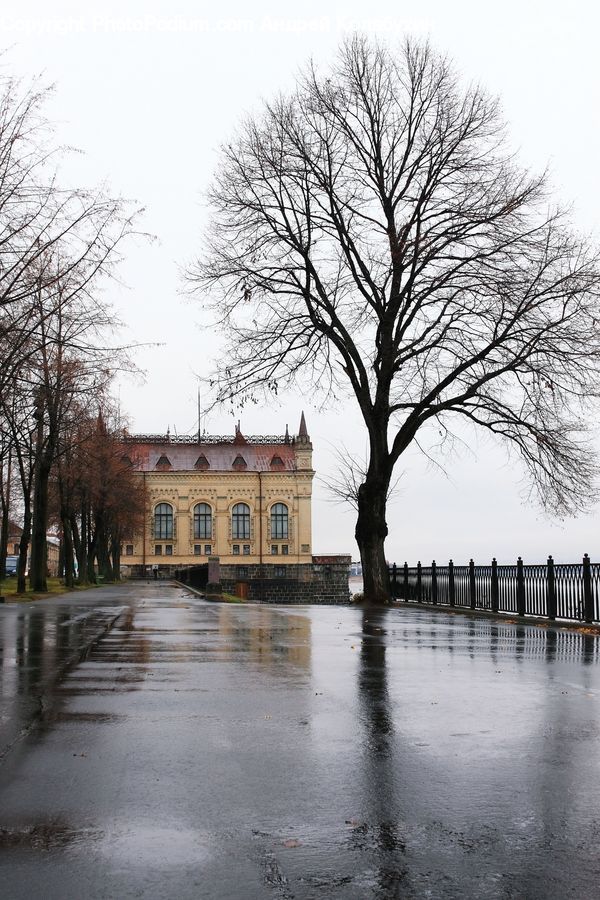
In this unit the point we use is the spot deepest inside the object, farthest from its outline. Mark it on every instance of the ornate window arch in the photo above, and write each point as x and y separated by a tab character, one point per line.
280	519
240	521
202	521
163	521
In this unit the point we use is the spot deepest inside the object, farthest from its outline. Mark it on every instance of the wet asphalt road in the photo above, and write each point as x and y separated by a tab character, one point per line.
220	751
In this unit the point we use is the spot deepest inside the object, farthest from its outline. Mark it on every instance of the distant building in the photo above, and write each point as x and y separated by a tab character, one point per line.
52	544
241	503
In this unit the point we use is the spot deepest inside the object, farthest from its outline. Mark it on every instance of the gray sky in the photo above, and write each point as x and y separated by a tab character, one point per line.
148	90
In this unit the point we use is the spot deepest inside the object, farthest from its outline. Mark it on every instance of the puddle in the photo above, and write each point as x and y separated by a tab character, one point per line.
150	846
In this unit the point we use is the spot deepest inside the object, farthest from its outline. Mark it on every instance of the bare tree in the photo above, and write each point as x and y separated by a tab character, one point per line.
373	233
58	246
72	368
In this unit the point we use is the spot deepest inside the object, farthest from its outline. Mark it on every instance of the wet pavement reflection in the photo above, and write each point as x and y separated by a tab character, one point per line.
237	751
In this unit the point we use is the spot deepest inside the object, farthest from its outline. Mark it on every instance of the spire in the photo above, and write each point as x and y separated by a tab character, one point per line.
303	433
100	421
199	416
239	437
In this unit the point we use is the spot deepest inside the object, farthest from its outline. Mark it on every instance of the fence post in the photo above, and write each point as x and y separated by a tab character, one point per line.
418	582
472	591
494	586
588	597
406	582
520	588
434	592
451	594
394	582
551	591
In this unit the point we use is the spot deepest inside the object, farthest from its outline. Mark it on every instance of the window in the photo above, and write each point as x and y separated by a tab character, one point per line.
236	549
158	550
163	464
305	548
168	549
16	549
163	521
240	464
277	463
242	571
279	571
246	549
202	463
274	549
202	521
128	549
208	549
285	549
279	521
240	521
197	549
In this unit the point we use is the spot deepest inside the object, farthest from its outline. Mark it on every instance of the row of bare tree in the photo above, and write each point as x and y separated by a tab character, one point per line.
59	452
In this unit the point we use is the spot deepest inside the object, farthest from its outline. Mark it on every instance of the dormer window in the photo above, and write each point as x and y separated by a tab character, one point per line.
163	464
202	463
239	464
277	463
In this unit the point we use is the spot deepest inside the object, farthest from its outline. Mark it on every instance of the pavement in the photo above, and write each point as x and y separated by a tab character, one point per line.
156	745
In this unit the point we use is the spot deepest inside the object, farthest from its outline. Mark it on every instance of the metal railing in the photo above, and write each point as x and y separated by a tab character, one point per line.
551	590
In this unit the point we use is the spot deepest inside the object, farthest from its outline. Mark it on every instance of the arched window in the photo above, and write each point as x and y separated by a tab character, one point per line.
202	521
279	521
163	521
240	521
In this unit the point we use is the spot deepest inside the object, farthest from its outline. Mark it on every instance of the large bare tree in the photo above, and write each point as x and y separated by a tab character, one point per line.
373	233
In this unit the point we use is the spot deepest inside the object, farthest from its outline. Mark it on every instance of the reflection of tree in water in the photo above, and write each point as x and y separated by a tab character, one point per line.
30	651
381	834
372	681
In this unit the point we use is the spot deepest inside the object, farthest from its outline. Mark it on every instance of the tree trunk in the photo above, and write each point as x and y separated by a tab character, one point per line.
92	539
39	548
24	545
67	544
5	500
102	549
371	532
79	546
115	554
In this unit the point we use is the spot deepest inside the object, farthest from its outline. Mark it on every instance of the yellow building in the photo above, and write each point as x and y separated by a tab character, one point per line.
234	510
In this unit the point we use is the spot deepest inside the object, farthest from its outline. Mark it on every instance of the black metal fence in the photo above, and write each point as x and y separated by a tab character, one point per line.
551	590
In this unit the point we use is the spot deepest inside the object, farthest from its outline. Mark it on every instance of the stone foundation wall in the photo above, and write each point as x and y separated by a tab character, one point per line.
325	580
305	583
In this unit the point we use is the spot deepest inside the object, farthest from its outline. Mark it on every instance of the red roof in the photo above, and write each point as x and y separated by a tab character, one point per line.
183	457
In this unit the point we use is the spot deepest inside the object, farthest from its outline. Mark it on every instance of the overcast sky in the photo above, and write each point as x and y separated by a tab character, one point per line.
148	90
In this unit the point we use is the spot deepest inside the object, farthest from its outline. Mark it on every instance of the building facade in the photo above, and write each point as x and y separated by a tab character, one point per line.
241	503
